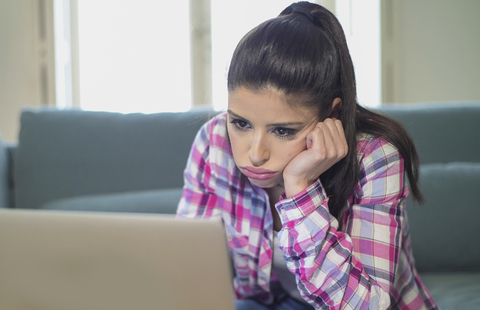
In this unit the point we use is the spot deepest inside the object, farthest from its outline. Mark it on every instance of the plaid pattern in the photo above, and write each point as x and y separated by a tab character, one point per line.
366	265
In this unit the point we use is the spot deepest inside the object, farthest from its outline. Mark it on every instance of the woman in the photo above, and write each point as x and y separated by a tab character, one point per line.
310	186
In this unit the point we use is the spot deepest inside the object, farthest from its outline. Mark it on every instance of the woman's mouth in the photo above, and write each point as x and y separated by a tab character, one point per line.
258	173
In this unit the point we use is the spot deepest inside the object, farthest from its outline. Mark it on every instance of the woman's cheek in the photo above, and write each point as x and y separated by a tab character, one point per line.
236	144
297	148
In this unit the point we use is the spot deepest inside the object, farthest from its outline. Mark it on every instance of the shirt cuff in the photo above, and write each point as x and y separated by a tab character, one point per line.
302	204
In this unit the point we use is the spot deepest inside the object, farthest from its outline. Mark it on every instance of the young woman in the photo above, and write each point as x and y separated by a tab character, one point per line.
310	186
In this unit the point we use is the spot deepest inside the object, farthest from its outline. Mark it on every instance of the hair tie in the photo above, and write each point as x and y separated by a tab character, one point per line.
304	12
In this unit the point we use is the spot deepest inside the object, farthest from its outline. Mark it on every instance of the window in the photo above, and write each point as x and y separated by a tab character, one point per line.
361	23
134	56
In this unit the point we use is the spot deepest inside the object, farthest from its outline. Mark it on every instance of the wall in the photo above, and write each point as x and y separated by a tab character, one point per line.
430	50
25	74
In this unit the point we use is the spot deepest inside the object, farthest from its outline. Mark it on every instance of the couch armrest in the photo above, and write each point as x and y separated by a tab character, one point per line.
6	174
11	149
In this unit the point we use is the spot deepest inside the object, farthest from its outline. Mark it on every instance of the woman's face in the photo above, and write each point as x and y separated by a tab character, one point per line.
266	133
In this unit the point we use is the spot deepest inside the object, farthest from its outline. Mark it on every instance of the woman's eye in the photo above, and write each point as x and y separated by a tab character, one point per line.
242	124
284	132
239	124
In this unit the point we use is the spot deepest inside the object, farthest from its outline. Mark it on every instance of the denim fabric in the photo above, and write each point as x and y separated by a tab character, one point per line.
287	303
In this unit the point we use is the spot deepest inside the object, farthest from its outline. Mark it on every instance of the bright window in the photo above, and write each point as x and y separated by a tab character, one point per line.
361	23
134	56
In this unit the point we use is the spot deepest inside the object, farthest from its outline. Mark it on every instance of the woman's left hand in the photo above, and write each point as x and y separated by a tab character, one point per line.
325	145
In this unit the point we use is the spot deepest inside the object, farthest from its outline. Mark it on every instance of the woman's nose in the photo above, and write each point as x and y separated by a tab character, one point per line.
259	153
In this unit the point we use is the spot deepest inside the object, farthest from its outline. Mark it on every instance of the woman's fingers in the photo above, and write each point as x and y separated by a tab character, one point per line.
328	148
331	139
326	145
339	136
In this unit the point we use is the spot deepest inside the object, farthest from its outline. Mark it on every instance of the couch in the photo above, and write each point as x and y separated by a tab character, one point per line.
100	161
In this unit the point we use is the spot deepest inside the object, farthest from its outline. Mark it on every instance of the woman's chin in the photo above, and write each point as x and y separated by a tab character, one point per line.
269	183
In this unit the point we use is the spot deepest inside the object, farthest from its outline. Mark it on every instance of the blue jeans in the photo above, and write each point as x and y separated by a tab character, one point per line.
287	303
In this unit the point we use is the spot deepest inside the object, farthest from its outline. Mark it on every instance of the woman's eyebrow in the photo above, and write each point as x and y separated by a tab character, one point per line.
236	115
285	124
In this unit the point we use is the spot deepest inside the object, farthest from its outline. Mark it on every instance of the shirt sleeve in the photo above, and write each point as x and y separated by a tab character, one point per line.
353	270
198	198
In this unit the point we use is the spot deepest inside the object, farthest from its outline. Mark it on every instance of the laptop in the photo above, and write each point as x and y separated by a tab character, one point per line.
59	260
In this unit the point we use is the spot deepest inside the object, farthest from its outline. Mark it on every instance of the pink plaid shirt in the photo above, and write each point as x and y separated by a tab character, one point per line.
366	265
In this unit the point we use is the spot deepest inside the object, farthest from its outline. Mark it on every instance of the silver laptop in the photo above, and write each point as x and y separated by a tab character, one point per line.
59	260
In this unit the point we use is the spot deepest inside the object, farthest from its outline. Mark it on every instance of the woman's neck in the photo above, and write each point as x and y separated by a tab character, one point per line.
274	194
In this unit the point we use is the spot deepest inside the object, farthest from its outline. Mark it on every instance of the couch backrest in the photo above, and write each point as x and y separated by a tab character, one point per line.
70	153
444	230
442	132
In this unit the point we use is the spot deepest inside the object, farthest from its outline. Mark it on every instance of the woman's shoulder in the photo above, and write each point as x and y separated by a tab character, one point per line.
214	132
213	144
215	123
381	170
371	147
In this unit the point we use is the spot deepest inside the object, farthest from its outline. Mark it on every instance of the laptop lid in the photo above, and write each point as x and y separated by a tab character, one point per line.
87	260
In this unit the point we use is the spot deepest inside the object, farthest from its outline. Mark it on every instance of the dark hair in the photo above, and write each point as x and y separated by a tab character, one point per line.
303	54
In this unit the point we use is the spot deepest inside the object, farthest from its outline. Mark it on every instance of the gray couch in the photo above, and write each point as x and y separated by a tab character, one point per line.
445	230
99	161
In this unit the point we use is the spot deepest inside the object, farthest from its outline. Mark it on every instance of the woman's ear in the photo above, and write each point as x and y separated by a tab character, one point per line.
336	106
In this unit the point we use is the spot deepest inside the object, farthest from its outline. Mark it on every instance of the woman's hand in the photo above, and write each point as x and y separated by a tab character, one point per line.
326	145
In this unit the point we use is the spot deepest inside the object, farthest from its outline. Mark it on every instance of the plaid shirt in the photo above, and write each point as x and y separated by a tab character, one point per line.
367	265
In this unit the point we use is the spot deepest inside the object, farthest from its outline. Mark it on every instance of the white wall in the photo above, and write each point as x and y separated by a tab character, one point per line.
18	75
431	50
22	55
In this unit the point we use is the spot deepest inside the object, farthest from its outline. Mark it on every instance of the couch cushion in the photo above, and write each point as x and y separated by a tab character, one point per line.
4	189
445	230
443	132
155	201
72	153
454	291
